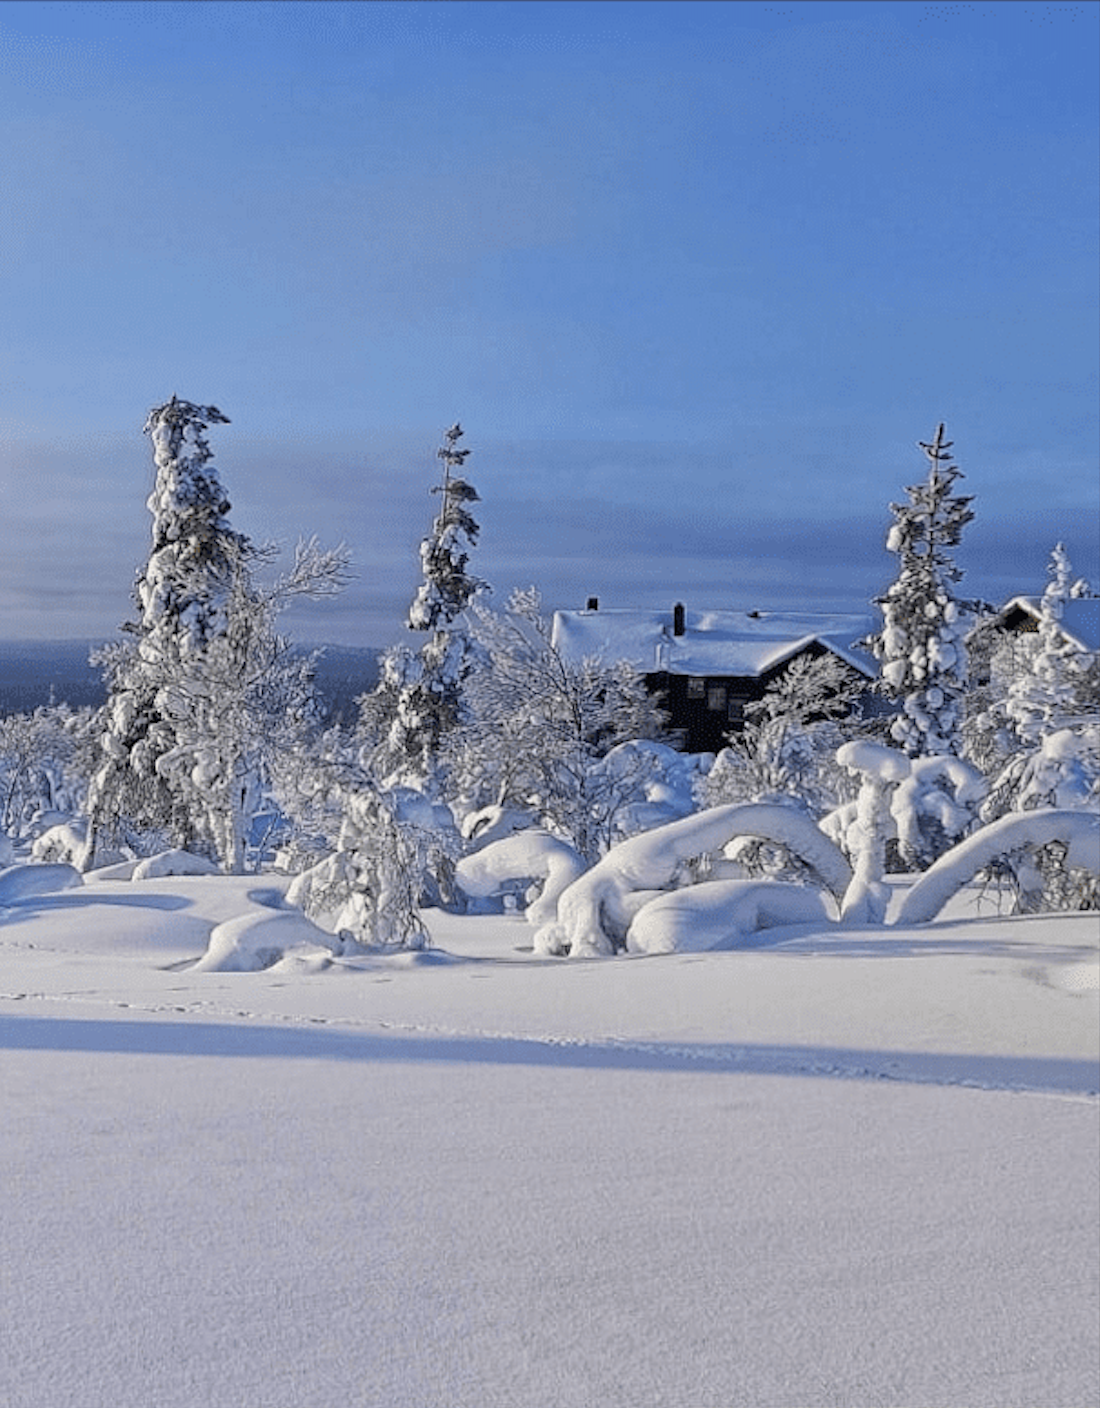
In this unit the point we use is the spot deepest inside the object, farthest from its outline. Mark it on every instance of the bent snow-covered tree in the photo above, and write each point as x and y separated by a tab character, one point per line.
921	644
420	692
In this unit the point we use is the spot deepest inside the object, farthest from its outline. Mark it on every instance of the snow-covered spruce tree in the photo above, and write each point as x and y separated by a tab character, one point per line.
539	725
202	685
418	700
922	642
180	592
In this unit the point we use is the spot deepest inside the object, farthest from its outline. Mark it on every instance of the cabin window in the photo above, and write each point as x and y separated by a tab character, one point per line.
696	688
716	698
735	713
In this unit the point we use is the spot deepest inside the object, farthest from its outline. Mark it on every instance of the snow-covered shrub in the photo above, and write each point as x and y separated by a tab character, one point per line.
173	862
46	759
23	882
1018	839
373	885
787	748
61	843
596	911
532	856
540	729
720	914
922	642
934	807
254	942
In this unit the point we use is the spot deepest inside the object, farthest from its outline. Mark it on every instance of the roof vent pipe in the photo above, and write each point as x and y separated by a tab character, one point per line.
678	619
593	604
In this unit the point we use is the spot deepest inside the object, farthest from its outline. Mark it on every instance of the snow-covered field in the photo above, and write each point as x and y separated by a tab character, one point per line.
842	1167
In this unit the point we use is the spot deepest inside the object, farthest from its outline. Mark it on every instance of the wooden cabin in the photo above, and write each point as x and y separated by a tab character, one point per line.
706	666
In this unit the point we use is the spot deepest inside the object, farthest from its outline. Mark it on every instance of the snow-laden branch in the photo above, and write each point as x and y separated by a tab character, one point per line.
1080	831
596	911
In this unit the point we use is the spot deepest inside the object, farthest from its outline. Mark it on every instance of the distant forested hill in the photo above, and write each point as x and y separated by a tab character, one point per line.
34	671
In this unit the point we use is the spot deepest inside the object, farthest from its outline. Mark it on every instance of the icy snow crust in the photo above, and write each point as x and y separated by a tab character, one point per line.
843	1167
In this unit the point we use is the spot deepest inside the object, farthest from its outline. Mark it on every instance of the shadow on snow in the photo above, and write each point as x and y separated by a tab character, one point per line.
1049	1075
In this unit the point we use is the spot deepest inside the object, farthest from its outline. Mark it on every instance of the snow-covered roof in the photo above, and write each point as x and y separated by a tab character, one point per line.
738	644
1080	619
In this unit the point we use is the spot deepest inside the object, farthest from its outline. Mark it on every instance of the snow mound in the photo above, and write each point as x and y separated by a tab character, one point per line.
525	855
253	942
719	914
21	882
60	843
173	863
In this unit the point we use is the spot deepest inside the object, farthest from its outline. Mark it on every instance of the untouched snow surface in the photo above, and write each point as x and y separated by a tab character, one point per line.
848	1168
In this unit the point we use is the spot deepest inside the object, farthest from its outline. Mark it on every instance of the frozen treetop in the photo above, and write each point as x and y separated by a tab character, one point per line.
739	643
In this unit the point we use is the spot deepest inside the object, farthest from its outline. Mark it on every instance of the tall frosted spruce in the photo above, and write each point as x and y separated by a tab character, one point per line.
181	592
425	686
922	643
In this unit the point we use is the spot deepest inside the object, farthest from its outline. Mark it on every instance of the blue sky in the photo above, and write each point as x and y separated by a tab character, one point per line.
695	278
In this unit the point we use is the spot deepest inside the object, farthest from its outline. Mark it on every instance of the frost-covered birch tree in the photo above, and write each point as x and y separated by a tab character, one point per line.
1047	745
539	725
922	642
1041	698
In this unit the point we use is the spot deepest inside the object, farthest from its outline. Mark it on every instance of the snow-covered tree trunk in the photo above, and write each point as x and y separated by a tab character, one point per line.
880	769
922	643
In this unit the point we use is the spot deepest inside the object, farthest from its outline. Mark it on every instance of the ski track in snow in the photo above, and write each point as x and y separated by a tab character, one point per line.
515	1047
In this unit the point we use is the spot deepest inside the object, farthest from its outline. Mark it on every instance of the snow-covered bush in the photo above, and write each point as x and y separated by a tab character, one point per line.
787	749
934	807
46	759
1017	839
549	864
720	914
596	911
541	728
922	642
